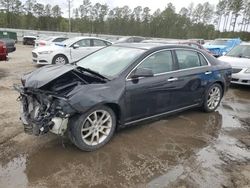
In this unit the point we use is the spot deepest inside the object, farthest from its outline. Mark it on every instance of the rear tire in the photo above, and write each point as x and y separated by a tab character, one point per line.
213	98
94	129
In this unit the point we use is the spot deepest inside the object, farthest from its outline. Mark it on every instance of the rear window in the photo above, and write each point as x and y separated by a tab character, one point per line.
59	39
190	59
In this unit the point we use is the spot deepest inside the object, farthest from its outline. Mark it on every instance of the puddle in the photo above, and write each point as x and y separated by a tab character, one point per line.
192	149
13	174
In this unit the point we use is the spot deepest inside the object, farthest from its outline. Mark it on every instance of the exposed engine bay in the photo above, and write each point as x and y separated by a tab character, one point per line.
47	108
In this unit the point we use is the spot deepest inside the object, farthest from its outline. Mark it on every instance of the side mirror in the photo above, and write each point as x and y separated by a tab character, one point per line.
75	46
142	72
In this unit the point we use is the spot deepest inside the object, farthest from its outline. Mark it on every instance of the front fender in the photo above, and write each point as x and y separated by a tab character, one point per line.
86	97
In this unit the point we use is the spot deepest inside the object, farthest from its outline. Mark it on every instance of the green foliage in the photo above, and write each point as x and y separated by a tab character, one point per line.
200	21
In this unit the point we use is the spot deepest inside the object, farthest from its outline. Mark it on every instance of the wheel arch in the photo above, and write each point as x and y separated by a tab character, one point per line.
60	54
116	109
222	86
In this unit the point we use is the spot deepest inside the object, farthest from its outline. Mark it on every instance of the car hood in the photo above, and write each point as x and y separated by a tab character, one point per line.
236	61
47	48
46	74
210	46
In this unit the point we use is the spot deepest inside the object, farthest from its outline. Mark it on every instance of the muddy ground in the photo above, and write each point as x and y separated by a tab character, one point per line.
190	149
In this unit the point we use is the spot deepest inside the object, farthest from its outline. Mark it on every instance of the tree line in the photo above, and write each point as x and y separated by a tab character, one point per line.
195	21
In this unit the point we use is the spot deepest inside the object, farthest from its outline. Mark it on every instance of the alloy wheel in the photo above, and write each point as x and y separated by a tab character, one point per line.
96	127
60	60
214	97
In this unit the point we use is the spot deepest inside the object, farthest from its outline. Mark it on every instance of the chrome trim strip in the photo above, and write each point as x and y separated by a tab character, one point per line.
180	70
165	113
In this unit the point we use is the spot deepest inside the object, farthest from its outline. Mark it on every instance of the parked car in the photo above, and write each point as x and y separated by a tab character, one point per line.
219	47
117	86
49	40
3	51
29	40
199	41
239	59
133	39
182	42
10	44
68	51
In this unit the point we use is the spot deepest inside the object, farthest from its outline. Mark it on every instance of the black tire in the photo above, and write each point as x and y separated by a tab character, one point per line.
62	57
78	122
206	105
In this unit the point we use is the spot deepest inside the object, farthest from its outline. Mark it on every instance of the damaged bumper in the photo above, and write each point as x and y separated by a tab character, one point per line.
42	112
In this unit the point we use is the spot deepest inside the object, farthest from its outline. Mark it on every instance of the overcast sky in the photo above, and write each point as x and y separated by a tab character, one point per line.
152	4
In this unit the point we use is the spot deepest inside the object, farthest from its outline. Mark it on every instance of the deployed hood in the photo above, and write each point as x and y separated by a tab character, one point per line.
46	74
236	62
210	46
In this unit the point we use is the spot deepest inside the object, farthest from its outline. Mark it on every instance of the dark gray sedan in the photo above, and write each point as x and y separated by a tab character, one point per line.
118	86
10	44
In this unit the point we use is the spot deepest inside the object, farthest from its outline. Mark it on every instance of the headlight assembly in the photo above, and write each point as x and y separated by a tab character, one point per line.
45	52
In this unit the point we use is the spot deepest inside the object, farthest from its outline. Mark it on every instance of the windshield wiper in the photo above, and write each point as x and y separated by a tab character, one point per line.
92	72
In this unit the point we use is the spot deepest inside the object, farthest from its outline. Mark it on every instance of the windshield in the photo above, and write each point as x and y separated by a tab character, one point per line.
48	38
219	42
240	51
110	61
68	41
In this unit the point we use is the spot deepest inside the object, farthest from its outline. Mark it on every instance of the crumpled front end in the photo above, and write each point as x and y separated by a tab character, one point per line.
42	112
50	95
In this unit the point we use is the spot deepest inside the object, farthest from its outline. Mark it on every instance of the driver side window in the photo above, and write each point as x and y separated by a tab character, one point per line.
159	62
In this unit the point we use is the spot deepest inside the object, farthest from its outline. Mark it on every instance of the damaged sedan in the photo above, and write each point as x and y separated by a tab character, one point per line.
117	86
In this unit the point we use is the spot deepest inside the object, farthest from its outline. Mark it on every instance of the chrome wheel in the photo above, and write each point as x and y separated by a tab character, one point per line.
60	60
96	127
214	97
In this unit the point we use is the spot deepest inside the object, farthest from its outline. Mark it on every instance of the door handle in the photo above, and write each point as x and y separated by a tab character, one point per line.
172	79
208	72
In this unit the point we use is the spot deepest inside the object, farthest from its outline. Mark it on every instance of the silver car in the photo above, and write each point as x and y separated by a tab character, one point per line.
239	59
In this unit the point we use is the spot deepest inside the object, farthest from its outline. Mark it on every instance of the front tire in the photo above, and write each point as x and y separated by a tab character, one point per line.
213	98
94	129
60	60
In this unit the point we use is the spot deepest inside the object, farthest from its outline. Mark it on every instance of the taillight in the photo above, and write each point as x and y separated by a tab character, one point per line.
4	46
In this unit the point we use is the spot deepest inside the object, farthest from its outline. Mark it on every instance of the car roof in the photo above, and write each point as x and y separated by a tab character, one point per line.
29	36
149	46
86	37
227	39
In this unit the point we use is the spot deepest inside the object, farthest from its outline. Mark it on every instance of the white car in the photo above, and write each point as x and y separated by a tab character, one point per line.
239	59
47	41
68	51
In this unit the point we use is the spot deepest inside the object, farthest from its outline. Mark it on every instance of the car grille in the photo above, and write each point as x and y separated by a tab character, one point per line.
34	55
234	71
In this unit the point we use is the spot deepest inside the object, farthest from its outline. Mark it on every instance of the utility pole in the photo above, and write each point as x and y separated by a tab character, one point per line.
70	2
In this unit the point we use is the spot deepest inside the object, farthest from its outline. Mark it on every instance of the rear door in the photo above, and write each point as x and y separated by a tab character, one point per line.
193	75
98	44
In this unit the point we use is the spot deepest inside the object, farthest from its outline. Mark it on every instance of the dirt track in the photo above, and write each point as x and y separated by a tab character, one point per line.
190	149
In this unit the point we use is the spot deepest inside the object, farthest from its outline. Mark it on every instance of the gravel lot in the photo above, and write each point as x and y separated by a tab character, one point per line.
190	149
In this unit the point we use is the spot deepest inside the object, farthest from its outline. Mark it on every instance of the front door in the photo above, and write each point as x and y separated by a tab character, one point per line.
83	48
151	95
